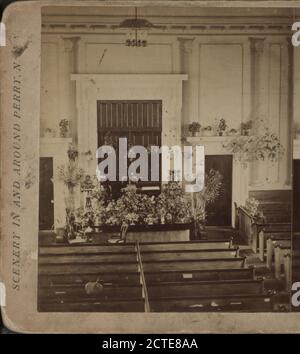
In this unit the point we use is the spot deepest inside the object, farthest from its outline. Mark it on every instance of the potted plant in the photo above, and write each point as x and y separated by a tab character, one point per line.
60	233
232	132
209	194
174	203
151	219
221	128
207	131
48	133
63	128
246	128
71	175
72	153
194	128
252	207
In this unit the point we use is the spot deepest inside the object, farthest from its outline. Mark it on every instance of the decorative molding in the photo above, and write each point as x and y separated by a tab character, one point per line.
257	44
186	44
69	43
182	25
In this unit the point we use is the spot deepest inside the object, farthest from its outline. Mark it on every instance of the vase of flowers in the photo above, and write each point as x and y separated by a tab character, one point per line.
221	128
232	132
261	147
60	233
252	207
72	152
194	128
246	128
207	131
63	128
48	133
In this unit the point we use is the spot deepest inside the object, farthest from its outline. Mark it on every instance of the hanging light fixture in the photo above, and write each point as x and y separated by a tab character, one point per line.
137	31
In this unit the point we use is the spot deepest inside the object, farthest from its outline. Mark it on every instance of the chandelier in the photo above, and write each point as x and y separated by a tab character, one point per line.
137	31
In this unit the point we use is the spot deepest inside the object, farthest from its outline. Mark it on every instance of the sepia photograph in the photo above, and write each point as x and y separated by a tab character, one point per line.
165	173
150	168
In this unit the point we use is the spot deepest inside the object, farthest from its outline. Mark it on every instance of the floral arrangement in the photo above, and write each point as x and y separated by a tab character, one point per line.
48	132
109	139
261	147
246	127
172	206
233	132
70	175
84	219
194	128
63	127
207	131
221	126
208	195
126	209
252	207
72	153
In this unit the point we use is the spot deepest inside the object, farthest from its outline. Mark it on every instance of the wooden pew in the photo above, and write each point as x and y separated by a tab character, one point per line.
281	249
79	249
112	305
134	275
65	271
87	268
247	227
250	230
295	269
271	243
231	303
186	246
211	288
275	203
276	212
110	278
88	259
77	291
287	272
200	275
264	235
194	265
159	256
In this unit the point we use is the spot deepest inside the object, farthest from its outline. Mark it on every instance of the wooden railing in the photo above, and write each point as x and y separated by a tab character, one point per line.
143	280
249	229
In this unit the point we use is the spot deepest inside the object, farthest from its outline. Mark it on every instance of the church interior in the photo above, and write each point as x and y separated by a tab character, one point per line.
227	79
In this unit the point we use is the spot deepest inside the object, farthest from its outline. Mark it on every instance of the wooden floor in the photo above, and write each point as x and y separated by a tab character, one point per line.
206	275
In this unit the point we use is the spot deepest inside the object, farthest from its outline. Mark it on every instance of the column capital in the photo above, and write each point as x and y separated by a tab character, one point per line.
257	44
69	43
186	44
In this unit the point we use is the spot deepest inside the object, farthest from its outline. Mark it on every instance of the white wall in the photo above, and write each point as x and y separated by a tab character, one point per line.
219	69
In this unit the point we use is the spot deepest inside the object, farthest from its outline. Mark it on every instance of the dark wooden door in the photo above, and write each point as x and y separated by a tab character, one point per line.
219	213
46	206
140	121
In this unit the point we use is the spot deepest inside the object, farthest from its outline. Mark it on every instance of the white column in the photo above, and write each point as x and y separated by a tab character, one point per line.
258	98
